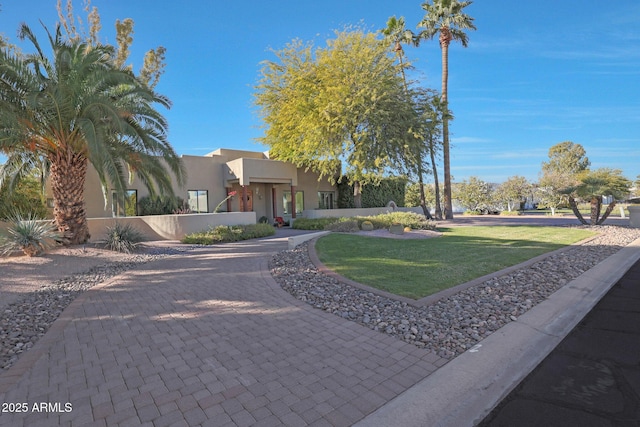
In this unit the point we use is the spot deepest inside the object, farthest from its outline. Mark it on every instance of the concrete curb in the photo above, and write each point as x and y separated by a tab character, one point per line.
294	241
465	390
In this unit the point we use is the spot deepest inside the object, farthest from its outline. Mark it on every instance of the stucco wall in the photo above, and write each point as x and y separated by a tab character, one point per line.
170	227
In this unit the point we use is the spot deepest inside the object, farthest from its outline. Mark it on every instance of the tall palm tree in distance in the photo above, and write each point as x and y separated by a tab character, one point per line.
446	18
397	34
79	109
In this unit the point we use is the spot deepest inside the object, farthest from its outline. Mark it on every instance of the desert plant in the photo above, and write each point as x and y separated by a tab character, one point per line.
123	238
366	225
30	235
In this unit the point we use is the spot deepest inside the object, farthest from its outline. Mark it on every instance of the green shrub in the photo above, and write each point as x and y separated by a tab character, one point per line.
510	213
123	238
159	205
263	220
313	223
345	225
406	219
229	233
366	225
25	200
29	235
373	195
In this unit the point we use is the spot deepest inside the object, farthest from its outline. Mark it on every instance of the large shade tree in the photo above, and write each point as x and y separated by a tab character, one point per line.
75	109
342	102
566	161
447	19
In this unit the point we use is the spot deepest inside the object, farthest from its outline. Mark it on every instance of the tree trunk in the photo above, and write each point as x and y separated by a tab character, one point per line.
576	212
607	212
67	175
438	212
357	194
423	202
596	206
445	39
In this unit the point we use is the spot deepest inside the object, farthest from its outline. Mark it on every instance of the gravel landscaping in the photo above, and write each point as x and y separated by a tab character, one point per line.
451	325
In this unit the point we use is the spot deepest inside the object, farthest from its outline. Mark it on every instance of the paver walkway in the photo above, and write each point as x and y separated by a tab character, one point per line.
207	338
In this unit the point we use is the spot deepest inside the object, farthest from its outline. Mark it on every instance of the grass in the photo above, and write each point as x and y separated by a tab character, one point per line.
421	267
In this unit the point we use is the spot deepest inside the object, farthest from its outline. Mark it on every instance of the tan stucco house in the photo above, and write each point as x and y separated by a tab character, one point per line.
268	187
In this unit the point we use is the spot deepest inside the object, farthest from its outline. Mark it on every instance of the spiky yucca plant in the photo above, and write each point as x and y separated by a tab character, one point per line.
30	235
123	238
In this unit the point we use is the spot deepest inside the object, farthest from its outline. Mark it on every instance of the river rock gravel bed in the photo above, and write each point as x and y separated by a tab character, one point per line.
453	324
24	321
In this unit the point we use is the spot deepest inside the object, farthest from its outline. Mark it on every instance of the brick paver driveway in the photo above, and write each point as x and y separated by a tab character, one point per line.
207	338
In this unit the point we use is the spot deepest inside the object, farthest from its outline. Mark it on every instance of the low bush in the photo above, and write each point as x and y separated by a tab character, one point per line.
313	223
29	235
406	219
366	225
510	213
345	225
123	238
159	205
229	233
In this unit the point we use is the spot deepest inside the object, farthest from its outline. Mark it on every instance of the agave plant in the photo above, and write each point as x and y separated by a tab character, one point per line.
123	238
31	235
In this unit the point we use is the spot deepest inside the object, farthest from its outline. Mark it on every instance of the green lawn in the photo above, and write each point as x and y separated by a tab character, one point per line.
421	267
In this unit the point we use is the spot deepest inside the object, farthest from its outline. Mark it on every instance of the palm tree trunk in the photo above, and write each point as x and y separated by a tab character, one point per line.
438	211
576	212
596	206
68	174
607	212
445	39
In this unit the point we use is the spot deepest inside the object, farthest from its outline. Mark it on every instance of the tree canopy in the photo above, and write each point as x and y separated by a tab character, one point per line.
566	158
343	102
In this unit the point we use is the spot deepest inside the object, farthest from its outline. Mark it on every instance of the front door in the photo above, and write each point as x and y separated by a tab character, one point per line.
249	201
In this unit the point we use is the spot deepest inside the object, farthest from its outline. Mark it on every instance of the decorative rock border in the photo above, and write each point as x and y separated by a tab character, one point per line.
452	324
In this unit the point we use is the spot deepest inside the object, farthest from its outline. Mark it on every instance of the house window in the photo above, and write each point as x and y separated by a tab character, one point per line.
126	204
325	200
198	201
286	202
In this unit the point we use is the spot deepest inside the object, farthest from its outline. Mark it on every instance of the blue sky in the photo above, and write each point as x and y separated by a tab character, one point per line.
535	73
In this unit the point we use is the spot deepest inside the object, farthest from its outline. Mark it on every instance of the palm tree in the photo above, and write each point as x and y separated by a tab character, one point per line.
79	109
397	34
446	18
592	185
